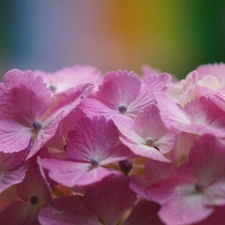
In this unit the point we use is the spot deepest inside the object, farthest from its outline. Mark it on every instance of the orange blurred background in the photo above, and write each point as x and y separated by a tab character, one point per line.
174	36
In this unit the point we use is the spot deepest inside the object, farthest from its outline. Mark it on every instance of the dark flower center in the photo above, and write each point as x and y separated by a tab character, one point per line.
126	166
34	200
37	125
122	108
52	87
199	187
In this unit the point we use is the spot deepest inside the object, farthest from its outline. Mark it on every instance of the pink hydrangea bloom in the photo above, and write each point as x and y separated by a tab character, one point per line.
198	117
90	146
29	114
192	195
146	136
124	93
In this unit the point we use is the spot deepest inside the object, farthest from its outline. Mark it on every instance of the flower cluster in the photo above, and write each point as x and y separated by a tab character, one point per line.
86	148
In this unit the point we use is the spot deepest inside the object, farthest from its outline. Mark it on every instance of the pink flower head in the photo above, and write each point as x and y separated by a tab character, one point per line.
29	114
197	117
191	196
124	93
146	136
90	146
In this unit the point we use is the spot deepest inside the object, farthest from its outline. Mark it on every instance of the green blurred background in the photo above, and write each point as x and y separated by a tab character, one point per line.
174	36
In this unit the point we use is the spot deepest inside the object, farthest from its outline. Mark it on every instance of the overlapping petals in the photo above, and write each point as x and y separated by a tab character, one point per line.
80	147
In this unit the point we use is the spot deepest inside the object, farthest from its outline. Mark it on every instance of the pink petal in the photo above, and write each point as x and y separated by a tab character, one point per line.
184	210
148	122
67	211
144	213
69	77
19	213
92	138
147	92
118	88
206	159
10	177
65	172
14	137
110	198
144	150
25	97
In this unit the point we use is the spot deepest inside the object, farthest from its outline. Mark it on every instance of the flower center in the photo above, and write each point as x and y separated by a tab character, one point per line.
122	108
149	141
95	161
126	166
37	125
34	200
199	187
52	87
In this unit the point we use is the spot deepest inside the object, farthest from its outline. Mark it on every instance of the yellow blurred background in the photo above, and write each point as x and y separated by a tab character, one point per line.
174	36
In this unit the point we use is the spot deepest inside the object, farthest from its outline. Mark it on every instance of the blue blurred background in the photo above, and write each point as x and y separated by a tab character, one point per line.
173	35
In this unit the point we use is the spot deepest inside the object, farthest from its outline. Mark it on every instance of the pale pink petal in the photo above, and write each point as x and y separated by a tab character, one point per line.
67	211
197	117
10	177
25	97
93	107
214	195
180	152
147	92
118	153
144	150
216	69
94	175
11	161
165	143
175	186
92	138
144	213
65	172
110	198
217	217
119	88
148	123
14	137
206	159
147	72
69	77
186	209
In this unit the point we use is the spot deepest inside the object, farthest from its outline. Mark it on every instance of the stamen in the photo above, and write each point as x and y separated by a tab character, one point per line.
95	161
37	125
126	166
122	108
52	87
149	141
34	200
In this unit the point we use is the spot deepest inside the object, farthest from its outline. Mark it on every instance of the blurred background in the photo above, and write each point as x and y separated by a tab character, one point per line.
174	36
